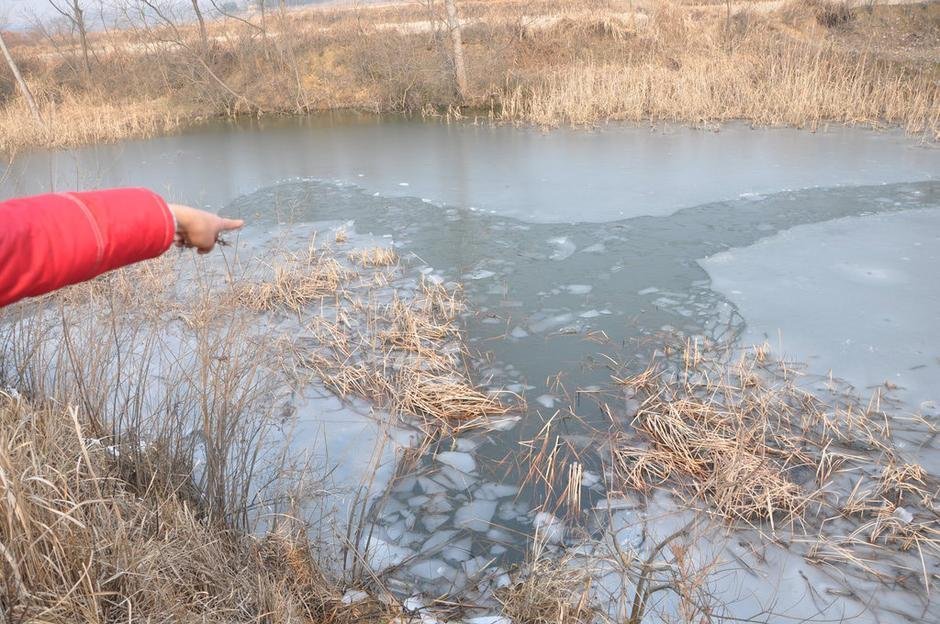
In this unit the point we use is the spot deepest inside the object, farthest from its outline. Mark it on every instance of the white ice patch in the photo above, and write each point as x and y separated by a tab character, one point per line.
382	555
475	515
432	570
578	289
546	400
551	322
564	247
463	462
478	274
550	527
858	296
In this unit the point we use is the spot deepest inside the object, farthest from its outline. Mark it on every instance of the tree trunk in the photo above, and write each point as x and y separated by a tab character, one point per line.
202	25
30	102
82	33
453	23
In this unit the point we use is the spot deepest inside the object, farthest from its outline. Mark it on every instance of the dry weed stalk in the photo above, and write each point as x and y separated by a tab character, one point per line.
296	282
550	591
374	257
84	539
407	355
745	439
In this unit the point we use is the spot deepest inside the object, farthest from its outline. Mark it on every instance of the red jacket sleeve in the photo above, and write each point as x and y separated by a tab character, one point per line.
50	241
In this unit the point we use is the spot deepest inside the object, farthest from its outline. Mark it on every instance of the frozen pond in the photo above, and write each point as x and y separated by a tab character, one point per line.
572	245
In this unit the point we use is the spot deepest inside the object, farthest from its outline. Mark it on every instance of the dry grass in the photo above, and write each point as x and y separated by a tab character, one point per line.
362	336
551	590
82	542
297	281
407	356
805	63
374	257
147	478
142	477
748	442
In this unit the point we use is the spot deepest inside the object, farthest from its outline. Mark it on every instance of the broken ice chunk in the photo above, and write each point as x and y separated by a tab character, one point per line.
463	462
475	515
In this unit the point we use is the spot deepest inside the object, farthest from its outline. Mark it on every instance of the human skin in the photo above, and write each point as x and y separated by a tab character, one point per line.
200	229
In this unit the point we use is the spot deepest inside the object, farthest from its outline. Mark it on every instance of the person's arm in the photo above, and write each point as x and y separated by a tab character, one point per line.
51	241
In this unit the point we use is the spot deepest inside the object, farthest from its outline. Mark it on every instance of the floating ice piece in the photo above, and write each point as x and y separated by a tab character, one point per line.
590	314
404	486
598	248
648	291
518	332
546	400
403	184
381	555
903	515
510	510
463	462
432	570
353	596
589	478
579	289
550	322
475	515
395	531
465	445
433	522
494	491
501	580
473	566
460	479
478	274
550	527
503	424
417	501
458	551
563	247
438	505
429	486
630	536
437	540
497	550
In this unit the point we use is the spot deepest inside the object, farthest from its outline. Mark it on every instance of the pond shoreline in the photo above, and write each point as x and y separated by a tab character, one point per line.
803	63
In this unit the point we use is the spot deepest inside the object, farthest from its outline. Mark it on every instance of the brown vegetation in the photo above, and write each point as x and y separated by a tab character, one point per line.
143	471
749	442
802	63
86	538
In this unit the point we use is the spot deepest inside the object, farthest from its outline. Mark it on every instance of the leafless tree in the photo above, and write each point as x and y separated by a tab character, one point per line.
202	24
76	16
453	24
20	81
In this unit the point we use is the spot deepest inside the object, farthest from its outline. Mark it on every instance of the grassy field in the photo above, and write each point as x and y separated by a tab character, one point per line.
801	63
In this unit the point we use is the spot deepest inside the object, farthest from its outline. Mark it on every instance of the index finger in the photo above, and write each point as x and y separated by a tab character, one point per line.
232	224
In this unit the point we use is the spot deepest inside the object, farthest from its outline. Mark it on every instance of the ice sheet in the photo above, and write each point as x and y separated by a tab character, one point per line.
859	296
